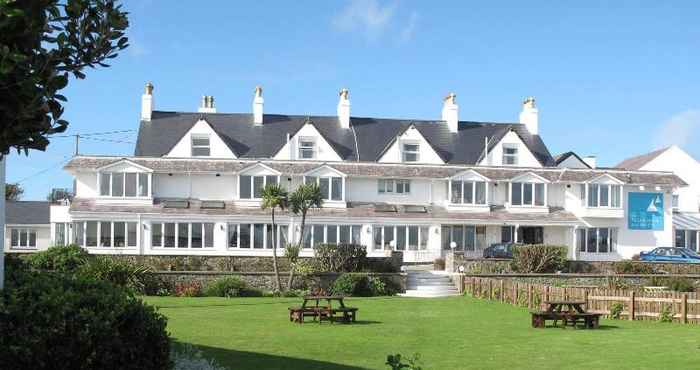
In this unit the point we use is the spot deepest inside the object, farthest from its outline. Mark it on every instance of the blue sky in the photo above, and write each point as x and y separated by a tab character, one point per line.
611	78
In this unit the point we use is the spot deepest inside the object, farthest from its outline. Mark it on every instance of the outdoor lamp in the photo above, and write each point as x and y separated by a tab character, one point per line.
461	268
453	245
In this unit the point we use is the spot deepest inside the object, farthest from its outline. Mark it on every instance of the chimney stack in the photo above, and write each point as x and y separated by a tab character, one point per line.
147	103
258	106
450	112
590	161
207	105
344	108
530	116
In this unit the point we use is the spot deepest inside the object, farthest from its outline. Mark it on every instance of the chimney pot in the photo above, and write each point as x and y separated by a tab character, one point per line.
147	102
529	116
343	108
450	112
258	102
207	105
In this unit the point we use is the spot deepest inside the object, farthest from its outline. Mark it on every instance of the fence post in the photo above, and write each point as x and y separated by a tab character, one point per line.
490	289
566	296
529	295
684	308
515	293
631	315
503	292
546	293
461	283
585	299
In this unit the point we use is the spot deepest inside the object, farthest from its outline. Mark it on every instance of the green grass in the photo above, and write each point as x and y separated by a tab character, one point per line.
449	333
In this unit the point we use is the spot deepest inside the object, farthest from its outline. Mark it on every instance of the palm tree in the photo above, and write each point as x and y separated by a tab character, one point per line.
274	196
301	200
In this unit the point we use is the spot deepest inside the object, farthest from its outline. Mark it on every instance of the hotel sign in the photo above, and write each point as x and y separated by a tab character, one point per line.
646	211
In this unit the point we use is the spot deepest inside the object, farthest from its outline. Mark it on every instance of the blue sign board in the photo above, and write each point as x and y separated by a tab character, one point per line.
646	211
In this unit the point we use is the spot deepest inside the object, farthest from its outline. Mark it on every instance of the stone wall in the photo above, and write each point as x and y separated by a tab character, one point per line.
585	280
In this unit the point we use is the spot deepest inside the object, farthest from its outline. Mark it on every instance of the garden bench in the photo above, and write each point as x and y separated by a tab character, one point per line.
348	313
573	316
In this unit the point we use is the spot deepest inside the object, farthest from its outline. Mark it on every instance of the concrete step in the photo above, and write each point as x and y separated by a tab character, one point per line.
427	294
433	288
447	283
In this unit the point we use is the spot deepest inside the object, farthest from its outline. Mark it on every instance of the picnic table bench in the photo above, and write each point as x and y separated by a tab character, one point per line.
322	312
568	312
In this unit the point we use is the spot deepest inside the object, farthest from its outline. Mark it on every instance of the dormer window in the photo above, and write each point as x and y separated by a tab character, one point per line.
467	192
510	155
410	152
394	186
251	187
307	148
528	194
201	145
331	186
124	184
602	195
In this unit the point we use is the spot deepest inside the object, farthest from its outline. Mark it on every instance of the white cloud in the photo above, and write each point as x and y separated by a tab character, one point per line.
373	19
681	129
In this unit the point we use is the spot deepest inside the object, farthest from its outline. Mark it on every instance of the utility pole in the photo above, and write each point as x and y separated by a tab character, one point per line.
2	225
77	142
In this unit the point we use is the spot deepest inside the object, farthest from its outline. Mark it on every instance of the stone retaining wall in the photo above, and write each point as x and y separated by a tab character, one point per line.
579	280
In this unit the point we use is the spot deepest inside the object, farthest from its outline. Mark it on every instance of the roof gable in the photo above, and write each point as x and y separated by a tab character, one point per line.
324	170
570	160
259	169
325	151
124	165
408	135
529	177
217	146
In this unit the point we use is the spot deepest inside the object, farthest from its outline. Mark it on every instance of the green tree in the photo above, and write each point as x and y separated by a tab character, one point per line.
301	200
42	43
273	197
13	192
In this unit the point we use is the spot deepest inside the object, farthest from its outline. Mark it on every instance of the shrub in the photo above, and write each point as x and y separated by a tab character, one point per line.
616	310
55	321
227	287
188	289
59	258
614	282
633	268
678	284
666	314
340	257
121	273
154	284
395	362
439	264
363	285
538	258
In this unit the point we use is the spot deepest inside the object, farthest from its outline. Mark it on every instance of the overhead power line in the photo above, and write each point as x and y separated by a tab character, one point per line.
53	166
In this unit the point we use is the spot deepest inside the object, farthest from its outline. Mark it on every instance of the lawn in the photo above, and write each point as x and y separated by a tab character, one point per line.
449	333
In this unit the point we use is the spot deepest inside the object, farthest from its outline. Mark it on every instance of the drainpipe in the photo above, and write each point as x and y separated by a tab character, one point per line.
574	250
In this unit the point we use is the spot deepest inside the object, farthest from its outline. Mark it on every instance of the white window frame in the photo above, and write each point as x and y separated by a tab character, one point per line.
176	244
473	202
194	137
675	201
27	231
330	186
510	156
124	196
613	234
610	187
393	231
252	184
533	203
83	238
405	152
323	228
391	186
266	243
306	144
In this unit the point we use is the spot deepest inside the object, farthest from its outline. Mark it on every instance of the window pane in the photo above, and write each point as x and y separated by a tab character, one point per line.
270	180
527	194
592	240
692	240
604	193
32	239
105	234
517	197
593	195
539	194
456	196
23	238
156	234
345	234
356	230
480	192
615	195
60	234
381	184
143	185
209	235
245	187
424	233
413	238
232	235
104	184
331	234
582	193
258	184
169	235
458	237
308	235
389	236
200	151
284	234
268	233
603	240
258	235
183	235
15	237
581	236
378	245
446	236
323	184
400	238
468	192
244	236
79	233
613	239
506	234
120	234
200	140
318	234
131	234
480	237
117	184
196	235
680	239
469	236
130	190
337	188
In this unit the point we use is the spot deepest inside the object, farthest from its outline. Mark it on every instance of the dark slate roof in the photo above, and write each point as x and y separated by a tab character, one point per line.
27	212
635	163
370	169
246	140
563	156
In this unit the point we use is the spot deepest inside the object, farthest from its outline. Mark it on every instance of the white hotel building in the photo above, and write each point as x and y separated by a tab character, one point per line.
193	187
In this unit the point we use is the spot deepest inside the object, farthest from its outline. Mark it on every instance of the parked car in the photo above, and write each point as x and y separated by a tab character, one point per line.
500	250
668	254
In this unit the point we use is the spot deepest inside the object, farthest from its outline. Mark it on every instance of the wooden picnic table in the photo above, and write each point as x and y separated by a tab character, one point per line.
569	312
313	307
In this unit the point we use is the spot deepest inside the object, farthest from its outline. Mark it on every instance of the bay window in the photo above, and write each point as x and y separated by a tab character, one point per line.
528	194
597	239
394	186
257	236
105	234
602	195
251	187
194	235
331	186
467	192
400	238
22	238
124	184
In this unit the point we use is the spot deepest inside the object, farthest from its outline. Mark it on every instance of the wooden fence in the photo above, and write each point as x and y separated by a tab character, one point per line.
636	305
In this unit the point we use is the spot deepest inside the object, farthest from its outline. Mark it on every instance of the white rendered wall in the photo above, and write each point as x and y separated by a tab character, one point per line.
86	185
324	151
366	190
687	168
525	157
572	162
411	136
218	149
